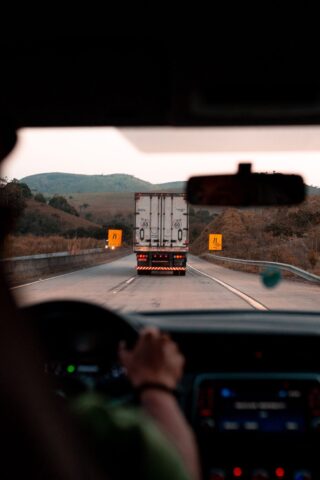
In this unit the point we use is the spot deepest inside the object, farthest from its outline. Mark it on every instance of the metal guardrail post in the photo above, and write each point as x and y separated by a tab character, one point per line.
311	277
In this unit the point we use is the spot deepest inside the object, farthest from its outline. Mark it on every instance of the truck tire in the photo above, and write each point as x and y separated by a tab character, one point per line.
178	273
144	272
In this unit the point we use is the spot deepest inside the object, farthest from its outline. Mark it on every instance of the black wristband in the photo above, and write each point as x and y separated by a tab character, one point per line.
155	386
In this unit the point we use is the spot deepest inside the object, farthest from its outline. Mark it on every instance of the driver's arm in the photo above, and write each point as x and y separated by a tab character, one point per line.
157	359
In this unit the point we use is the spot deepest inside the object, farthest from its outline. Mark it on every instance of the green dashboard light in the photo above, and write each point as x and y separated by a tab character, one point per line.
71	368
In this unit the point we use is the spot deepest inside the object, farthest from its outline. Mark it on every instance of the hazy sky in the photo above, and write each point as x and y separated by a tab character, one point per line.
168	154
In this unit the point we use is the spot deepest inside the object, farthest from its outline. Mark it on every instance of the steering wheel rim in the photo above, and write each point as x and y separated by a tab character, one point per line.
72	327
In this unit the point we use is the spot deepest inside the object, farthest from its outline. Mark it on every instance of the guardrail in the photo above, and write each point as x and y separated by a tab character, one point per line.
39	256
311	277
35	266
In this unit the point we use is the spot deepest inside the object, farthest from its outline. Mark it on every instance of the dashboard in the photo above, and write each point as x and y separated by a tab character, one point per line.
251	391
251	388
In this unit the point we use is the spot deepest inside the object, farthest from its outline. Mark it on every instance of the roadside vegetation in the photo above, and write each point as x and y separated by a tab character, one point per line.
17	246
287	234
46	223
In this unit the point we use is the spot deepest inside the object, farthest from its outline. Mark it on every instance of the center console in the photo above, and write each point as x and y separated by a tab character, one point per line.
258	426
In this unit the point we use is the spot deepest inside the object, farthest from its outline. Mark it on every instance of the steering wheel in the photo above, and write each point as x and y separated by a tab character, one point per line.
80	332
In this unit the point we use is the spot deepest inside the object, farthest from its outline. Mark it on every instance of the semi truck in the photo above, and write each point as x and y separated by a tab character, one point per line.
161	232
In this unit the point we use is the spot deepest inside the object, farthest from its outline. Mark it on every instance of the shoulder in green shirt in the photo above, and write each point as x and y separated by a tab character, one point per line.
126	442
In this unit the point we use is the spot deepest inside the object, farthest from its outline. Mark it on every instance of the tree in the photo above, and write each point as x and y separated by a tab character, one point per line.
25	190
12	204
13	196
40	198
61	203
83	206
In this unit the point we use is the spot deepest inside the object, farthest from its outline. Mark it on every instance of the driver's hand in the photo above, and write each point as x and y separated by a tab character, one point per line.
155	358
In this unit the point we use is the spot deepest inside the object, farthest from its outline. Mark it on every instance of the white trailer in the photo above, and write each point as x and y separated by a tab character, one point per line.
161	234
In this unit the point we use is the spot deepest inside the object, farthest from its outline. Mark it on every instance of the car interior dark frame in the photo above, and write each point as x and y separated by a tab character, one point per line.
145	84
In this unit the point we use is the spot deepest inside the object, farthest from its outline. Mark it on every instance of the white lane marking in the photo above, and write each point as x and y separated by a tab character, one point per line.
124	284
246	298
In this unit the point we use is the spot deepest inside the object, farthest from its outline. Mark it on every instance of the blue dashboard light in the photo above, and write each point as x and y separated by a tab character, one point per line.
226	393
282	394
303	475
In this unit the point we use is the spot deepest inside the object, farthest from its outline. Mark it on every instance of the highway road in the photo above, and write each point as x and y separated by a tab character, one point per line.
205	286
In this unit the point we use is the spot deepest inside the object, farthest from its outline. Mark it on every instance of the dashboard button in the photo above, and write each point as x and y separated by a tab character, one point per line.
217	474
292	426
208	424
237	472
260	475
302	475
252	426
316	424
280	472
229	425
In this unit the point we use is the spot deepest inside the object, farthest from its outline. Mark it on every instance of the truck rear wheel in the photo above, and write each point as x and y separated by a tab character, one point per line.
179	272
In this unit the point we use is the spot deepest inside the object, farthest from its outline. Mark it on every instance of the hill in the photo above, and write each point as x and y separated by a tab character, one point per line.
118	208
311	190
286	234
101	207
68	183
41	219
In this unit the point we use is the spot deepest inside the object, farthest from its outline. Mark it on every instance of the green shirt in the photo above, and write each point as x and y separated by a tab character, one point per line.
126	442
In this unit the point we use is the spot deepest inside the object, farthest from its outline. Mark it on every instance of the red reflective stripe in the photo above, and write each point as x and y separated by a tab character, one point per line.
160	268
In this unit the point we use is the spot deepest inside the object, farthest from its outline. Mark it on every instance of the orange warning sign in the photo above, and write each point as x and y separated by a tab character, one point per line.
215	241
114	238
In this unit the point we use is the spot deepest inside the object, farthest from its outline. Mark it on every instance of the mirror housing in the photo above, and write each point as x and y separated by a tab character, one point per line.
246	189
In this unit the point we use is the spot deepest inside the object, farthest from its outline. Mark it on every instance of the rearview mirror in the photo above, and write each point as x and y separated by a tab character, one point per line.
246	189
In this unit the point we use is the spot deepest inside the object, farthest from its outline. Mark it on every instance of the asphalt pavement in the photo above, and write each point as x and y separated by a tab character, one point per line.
205	286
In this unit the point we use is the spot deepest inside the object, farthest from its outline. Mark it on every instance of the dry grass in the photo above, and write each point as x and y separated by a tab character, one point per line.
66	220
17	246
286	235
103	205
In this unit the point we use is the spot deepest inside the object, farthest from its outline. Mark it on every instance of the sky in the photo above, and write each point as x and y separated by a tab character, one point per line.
162	155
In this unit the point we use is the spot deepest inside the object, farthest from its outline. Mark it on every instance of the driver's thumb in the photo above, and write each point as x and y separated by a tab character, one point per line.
123	352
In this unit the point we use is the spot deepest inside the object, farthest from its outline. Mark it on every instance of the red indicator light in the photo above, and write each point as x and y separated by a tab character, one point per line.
237	472
280	473
205	412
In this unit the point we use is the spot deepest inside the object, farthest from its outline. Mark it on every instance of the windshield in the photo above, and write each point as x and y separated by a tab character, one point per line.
101	216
